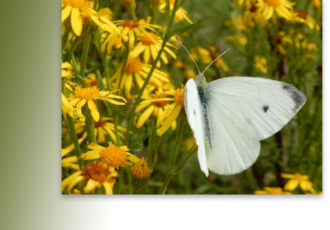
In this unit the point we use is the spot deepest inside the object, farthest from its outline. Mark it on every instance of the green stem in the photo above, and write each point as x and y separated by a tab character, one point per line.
138	99
84	55
172	168
123	66
74	138
106	65
89	124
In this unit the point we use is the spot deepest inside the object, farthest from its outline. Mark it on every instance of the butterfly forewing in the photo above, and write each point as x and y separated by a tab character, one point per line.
194	113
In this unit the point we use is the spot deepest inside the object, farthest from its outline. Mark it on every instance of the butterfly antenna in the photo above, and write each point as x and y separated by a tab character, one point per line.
216	59
188	53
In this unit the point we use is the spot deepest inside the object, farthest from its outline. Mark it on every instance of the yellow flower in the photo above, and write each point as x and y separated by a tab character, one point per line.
253	15
281	40
112	155
67	70
316	3
129	29
94	175
283	8
67	108
238	39
141	170
180	14
135	72
260	63
271	191
172	111
200	53
302	17
81	11
104	126
298	179
150	44
152	104
89	95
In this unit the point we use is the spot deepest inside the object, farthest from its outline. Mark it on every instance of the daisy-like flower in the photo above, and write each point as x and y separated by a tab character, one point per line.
82	96
140	169
104	126
152	104
296	180
135	72
180	14
113	156
150	44
271	191
130	29
172	111
260	63
253	15
301	17
283	8
81	11
94	175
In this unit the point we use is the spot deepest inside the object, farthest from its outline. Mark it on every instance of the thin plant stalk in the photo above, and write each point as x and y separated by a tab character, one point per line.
138	99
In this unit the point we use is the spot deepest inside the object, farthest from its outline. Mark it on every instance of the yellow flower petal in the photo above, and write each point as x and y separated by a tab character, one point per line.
94	111
76	21
168	122
67	180
291	185
75	181
108	188
65	14
144	116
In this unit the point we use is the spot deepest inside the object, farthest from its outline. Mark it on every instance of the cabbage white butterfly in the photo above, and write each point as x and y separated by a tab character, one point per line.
230	117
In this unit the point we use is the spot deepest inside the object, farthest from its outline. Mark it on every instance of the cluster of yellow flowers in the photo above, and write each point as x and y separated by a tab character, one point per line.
297	183
120	93
267	14
90	99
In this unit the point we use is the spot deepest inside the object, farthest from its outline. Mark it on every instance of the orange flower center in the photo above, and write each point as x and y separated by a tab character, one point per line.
159	103
96	171
131	24
99	123
133	66
114	156
179	97
87	93
275	191
148	39
141	170
253	8
299	177
302	14
80	4
273	3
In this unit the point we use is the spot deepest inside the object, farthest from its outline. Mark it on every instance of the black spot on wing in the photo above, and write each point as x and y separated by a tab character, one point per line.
265	108
297	96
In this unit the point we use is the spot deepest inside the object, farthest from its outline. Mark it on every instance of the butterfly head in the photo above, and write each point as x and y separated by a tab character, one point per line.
201	81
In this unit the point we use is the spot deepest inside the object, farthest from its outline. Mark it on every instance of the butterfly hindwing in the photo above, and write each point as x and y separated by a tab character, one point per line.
242	111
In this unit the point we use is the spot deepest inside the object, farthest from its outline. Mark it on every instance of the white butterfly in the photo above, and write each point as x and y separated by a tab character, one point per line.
230	117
